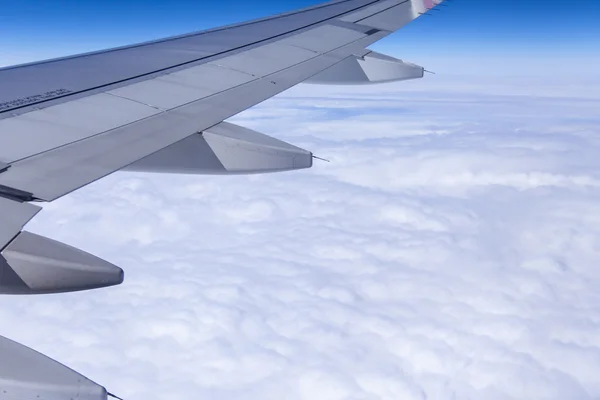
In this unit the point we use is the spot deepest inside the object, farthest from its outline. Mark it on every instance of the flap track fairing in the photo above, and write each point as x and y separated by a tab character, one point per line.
226	149
370	69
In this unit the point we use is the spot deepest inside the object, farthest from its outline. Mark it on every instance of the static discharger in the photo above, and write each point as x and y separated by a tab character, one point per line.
319	158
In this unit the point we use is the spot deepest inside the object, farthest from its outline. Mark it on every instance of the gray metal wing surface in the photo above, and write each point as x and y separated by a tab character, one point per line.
159	107
68	122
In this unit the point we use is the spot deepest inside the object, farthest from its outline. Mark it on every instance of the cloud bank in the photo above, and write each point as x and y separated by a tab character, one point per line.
448	251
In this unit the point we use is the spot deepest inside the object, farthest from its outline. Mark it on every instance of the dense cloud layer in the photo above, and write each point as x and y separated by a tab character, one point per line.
448	251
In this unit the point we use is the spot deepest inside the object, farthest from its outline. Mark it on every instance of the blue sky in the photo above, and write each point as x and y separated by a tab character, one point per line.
450	249
496	27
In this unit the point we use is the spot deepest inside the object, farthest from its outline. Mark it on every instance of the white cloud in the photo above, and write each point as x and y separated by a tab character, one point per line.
449	251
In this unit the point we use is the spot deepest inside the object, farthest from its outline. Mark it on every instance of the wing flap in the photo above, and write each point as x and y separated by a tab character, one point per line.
38	131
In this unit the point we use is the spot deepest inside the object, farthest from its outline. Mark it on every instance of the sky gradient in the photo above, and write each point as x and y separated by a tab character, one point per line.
31	29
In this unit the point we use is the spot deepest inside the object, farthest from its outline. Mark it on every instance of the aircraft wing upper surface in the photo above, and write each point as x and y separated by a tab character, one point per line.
160	106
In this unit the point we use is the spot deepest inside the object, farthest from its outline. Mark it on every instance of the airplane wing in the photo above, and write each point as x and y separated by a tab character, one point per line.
160	106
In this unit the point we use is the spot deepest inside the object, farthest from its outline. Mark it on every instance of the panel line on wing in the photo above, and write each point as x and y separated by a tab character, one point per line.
135	101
